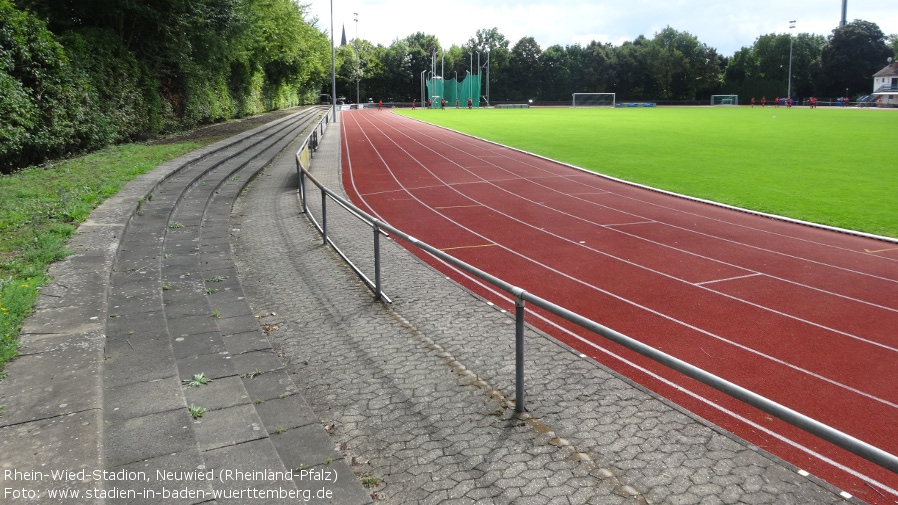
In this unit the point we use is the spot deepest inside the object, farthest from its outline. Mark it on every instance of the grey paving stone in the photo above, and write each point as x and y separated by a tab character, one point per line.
269	385
147	437
228	426
63	443
48	385
418	394
163	480
138	399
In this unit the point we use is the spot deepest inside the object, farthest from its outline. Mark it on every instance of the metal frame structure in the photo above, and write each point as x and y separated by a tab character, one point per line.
734	102
575	104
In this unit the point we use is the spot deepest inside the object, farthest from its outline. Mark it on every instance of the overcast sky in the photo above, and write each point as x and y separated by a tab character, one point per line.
726	26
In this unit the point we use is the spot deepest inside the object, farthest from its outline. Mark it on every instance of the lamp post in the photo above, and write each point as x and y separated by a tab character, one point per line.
487	77
422	87
333	67
358	69
479	81
789	89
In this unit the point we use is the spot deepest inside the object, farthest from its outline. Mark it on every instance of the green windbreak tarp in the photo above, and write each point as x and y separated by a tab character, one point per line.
452	90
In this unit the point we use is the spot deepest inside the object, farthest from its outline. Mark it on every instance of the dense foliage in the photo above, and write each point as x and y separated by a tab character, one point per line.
75	76
671	66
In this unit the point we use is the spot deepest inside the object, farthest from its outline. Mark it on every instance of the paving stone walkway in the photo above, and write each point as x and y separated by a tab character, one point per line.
206	266
416	394
144	376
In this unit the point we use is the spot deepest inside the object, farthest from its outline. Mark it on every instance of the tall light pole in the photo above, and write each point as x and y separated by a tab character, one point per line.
333	67
487	77
423	99
470	82
789	90
358	69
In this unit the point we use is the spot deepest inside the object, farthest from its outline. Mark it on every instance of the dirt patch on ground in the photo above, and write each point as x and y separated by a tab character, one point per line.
218	131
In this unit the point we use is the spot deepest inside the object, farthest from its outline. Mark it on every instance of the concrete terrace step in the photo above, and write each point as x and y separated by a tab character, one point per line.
149	299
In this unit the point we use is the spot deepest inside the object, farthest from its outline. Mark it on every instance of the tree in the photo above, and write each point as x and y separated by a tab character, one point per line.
400	74
495	46
682	65
594	69
633	78
763	69
852	55
525	67
892	42
555	73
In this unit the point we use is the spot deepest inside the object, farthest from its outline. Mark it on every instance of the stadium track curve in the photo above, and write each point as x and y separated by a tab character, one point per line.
804	316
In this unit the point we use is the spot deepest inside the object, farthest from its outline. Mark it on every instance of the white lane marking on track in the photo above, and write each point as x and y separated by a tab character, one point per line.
711	404
753	304
773	276
588	175
633	303
729	279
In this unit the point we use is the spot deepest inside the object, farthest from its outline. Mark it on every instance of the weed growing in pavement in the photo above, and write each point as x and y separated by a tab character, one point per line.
370	481
196	411
252	375
198	380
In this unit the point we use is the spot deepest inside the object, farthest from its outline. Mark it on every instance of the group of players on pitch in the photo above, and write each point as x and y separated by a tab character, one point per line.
811	102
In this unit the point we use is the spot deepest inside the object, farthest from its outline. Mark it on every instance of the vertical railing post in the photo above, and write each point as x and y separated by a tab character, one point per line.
519	350
302	185
323	216
377	287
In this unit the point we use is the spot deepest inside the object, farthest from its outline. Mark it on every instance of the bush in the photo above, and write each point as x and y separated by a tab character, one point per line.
30	65
116	85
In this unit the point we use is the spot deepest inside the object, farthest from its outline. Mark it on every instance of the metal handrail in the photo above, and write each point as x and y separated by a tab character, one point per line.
521	297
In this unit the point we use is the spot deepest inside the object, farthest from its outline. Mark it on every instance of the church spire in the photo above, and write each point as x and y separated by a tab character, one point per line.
343	40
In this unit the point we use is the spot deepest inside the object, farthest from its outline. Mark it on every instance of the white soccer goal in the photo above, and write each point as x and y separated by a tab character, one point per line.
724	99
594	99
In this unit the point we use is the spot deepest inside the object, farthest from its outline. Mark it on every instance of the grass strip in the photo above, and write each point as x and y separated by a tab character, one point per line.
41	207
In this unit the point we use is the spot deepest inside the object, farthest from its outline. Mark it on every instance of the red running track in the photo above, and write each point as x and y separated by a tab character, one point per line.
804	316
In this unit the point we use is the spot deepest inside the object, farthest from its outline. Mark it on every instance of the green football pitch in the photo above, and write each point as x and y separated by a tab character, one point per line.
829	165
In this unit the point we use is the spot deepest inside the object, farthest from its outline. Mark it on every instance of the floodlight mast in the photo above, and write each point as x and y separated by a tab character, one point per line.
358	70
333	67
487	76
789	89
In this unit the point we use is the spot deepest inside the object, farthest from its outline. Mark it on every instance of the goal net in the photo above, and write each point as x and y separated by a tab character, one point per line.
724	99
594	99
